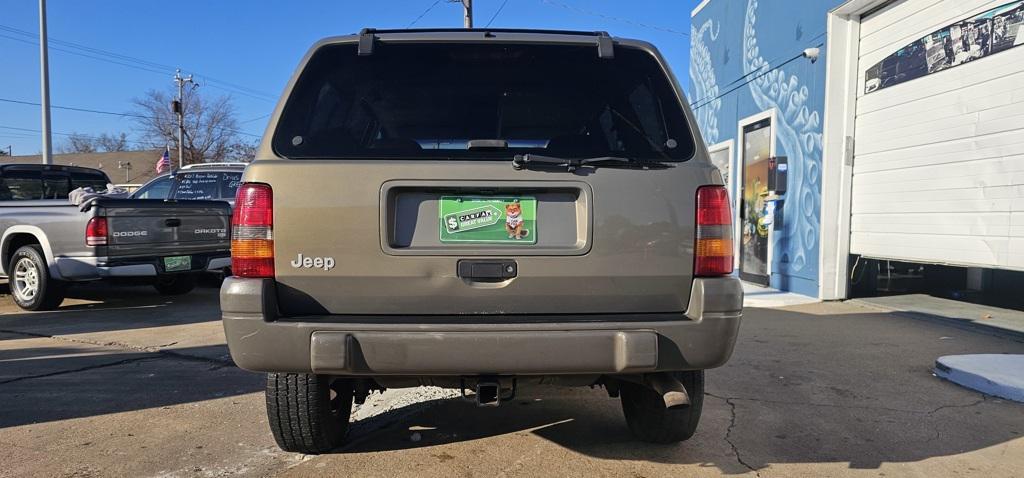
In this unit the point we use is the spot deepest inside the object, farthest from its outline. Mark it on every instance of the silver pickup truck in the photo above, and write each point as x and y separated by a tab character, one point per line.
48	243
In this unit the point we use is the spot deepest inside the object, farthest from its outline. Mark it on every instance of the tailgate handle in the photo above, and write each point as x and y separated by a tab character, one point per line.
172	222
488	270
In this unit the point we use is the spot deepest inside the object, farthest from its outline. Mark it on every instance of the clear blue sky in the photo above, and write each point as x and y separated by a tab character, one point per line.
250	46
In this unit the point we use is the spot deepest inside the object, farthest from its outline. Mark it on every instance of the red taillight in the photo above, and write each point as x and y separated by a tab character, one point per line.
96	232
252	231
713	251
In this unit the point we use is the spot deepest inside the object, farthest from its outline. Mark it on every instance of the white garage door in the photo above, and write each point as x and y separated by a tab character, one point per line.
939	145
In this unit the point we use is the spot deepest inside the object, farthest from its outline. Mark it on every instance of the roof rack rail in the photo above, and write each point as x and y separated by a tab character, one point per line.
368	36
213	165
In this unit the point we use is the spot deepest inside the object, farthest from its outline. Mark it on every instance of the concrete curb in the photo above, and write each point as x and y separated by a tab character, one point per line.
958	323
999	375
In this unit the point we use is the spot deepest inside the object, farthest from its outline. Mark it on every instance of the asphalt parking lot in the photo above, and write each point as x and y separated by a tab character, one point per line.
124	382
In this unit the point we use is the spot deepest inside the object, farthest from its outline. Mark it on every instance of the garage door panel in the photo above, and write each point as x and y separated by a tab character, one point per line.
938	167
896	197
929	207
945	249
940	134
910	21
1003	146
1015	255
962	127
869	188
961	174
974	99
977	72
974	224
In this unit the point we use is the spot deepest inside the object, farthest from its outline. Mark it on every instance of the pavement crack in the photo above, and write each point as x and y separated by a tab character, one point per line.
847	405
728	433
76	370
979	401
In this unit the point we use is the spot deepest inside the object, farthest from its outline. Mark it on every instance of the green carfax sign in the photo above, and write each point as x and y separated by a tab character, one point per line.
507	220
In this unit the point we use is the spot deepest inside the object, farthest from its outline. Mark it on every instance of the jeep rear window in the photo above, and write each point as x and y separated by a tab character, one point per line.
436	101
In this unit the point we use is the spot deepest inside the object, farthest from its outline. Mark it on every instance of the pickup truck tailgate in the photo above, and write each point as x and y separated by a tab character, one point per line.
149	227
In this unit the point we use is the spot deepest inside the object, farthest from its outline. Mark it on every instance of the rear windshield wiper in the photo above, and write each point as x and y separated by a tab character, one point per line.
522	161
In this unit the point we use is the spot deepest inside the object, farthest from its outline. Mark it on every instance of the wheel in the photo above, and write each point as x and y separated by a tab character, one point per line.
175	284
650	421
308	413
31	285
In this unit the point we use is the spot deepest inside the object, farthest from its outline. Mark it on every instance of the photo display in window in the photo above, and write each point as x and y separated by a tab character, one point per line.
991	32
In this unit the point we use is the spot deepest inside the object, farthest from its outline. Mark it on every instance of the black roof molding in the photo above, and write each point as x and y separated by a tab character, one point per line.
605	44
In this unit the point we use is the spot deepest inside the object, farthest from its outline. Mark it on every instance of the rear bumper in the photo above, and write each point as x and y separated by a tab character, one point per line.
92	268
701	338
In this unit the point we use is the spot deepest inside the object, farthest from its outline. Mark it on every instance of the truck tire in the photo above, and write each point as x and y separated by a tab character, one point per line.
650	421
175	284
32	288
308	413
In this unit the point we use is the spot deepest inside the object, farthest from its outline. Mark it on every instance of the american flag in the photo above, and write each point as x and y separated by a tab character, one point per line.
164	163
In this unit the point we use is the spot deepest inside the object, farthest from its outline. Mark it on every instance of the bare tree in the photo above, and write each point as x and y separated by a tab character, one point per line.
109	142
210	124
243	151
81	143
78	143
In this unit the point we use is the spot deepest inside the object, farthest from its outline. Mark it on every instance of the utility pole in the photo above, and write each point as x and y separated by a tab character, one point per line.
468	8
178	106
44	80
10	151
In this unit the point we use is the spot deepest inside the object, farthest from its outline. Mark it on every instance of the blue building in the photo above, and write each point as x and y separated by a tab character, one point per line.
898	121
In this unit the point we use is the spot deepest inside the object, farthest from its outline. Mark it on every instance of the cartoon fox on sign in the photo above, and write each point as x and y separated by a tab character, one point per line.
514	221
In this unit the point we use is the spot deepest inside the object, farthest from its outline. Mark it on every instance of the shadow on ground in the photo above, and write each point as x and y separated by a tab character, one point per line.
114	383
102	307
854	388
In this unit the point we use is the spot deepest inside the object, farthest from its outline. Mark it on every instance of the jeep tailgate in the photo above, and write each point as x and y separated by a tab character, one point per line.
597	250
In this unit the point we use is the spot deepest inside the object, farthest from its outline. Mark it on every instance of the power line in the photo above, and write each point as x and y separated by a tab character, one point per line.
502	7
706	101
613	18
773	60
30	130
131	62
255	119
113	113
431	7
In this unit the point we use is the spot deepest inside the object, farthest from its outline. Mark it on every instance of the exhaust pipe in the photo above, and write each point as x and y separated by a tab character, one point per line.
671	390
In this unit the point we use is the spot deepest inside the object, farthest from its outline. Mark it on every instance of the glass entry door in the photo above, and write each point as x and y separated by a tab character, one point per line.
757	143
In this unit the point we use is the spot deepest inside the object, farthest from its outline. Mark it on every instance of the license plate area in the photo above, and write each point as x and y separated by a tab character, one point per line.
411	218
178	263
510	220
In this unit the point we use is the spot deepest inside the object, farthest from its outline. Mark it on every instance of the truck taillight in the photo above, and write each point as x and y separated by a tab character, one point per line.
252	231
96	232
713	251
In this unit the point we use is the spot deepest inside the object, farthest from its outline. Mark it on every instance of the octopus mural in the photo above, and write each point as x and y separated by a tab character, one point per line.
798	133
705	84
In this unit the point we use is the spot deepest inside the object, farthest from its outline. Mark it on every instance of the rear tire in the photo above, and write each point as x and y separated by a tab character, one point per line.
28	275
650	421
308	413
175	284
